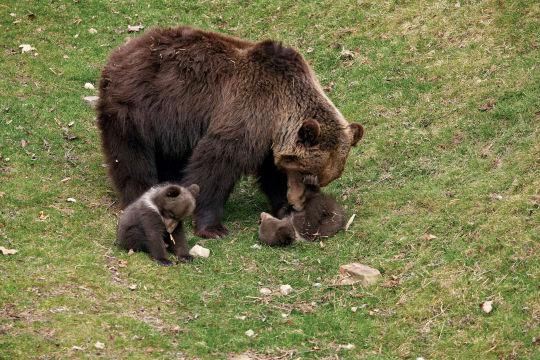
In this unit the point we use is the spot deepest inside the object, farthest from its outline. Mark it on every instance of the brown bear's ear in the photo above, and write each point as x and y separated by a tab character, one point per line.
194	190
358	133
309	133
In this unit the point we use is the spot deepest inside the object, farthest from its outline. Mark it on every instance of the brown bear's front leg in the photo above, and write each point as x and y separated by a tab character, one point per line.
215	167
273	183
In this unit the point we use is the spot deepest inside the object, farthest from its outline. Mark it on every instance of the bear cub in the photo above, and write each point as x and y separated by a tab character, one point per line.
321	216
153	223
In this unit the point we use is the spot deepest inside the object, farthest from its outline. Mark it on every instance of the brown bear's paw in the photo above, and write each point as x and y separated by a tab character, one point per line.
212	231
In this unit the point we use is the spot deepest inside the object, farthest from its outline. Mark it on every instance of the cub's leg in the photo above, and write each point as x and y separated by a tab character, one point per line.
180	246
154	230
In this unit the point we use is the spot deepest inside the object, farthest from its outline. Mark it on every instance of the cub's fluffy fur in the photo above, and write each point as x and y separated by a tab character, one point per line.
321	216
154	222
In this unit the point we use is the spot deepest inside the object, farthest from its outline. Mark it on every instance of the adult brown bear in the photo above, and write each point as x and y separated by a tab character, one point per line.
202	108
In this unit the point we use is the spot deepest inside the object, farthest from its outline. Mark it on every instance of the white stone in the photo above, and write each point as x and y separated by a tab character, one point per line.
357	273
265	291
92	31
71	200
250	333
135	28
91	100
26	48
285	289
199	251
89	86
487	306
99	345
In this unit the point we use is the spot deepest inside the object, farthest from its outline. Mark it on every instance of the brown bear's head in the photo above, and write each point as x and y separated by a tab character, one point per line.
317	143
310	134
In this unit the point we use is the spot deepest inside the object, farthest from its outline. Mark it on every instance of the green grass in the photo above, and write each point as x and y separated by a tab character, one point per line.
431	163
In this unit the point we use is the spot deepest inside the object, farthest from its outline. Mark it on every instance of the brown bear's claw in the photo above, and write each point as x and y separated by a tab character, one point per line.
212	232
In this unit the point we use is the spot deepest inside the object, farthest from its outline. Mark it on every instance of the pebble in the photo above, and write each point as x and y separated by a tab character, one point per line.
357	273
265	291
199	251
285	289
91	100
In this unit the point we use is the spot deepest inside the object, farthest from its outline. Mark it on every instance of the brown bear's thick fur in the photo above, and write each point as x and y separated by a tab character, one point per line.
193	106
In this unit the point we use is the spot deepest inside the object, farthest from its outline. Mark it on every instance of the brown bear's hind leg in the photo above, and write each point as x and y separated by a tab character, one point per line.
273	184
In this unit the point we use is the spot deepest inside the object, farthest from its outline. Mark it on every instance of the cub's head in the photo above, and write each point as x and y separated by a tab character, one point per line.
176	202
276	232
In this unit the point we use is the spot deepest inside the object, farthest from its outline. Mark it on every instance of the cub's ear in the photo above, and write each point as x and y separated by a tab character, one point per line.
357	131
309	133
173	191
266	216
194	190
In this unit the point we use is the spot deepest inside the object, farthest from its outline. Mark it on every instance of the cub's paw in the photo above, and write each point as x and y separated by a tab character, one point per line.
164	262
185	258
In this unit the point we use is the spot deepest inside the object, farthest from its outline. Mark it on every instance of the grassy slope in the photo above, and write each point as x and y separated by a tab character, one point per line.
431	163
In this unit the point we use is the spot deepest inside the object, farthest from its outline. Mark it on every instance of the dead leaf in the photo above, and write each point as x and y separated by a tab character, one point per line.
99	345
250	333
351	219
6	251
487	106
486	150
457	138
346	54
24	143
92	31
428	237
132	287
487	306
42	216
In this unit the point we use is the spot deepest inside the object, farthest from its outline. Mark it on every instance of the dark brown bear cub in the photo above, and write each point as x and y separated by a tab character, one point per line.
321	216
153	222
